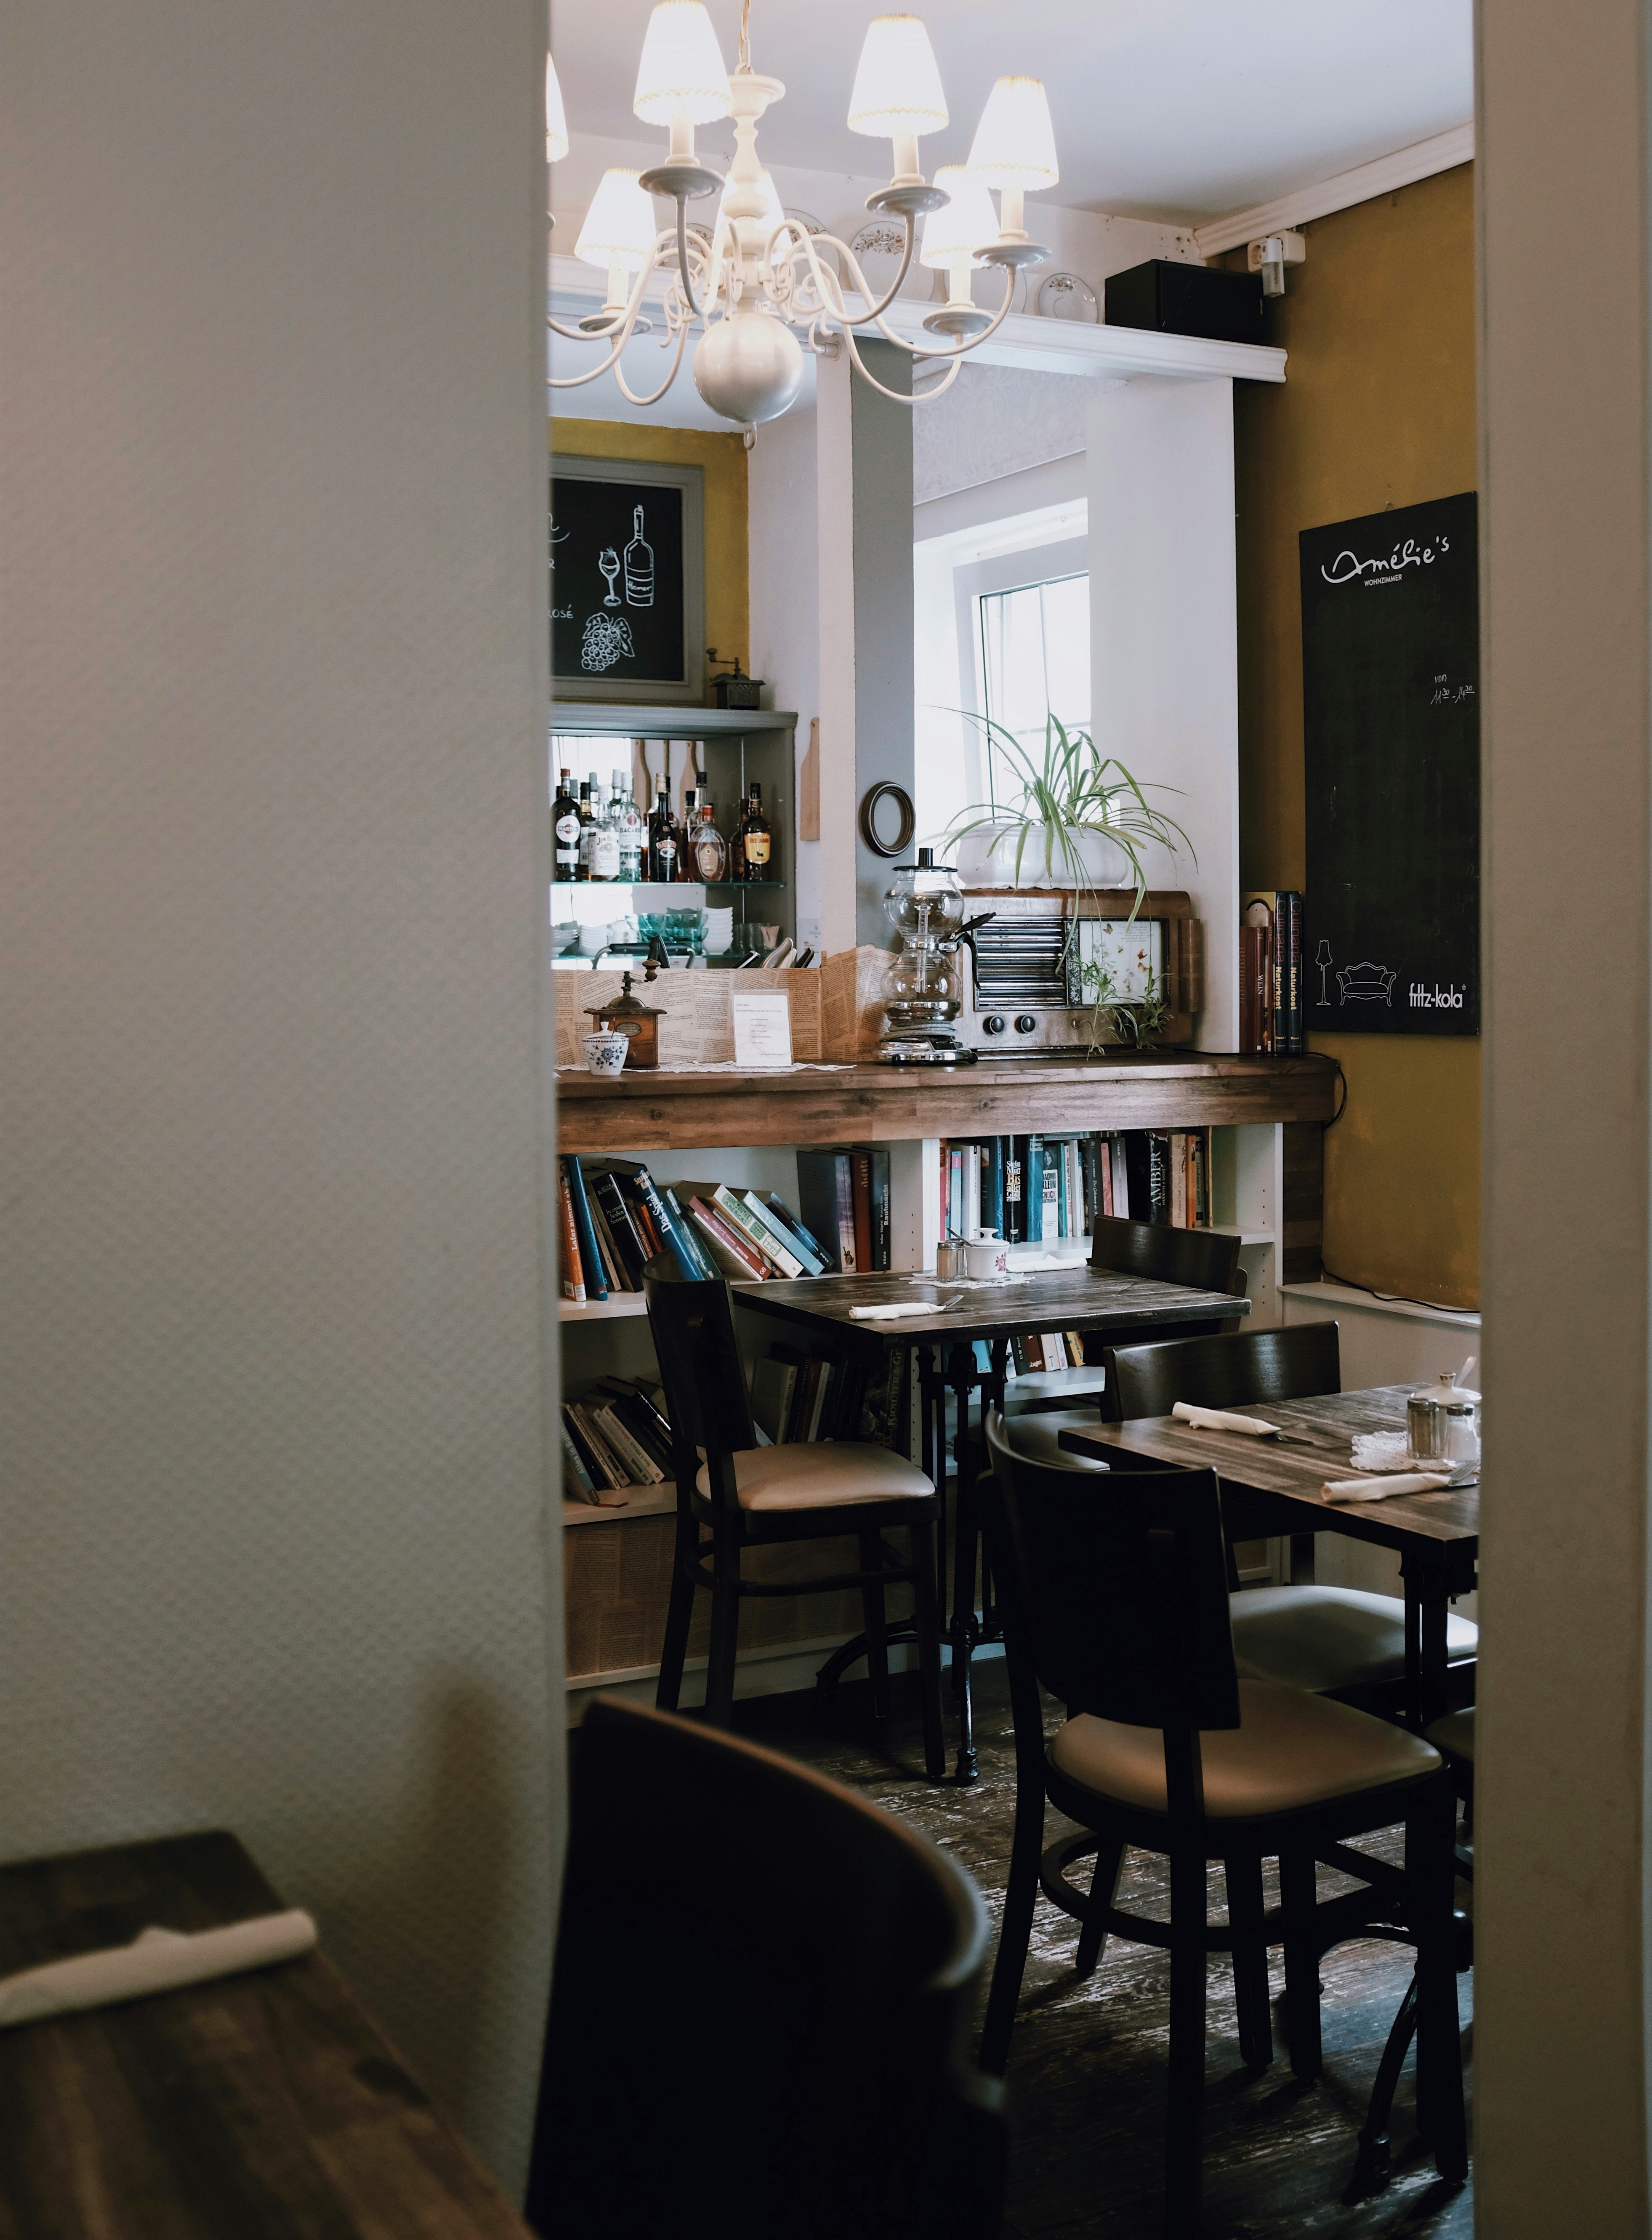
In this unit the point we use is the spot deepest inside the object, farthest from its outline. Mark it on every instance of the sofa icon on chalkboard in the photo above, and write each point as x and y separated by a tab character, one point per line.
1366	983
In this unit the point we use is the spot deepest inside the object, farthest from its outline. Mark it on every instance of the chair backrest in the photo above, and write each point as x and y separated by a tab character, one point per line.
1114	1587
692	1326
761	1990
1223	1372
1202	1258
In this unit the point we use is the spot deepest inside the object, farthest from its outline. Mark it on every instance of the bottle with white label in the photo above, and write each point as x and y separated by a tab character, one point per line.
639	567
564	830
662	842
631	830
604	845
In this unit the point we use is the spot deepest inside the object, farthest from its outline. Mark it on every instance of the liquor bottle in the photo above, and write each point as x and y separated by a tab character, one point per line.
662	842
757	838
604	838
707	849
587	818
564	830
631	831
639	568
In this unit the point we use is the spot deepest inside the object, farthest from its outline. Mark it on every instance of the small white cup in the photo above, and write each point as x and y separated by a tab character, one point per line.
986	1256
605	1053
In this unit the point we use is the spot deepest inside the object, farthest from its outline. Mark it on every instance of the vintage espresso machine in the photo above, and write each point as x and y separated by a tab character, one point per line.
1047	970
923	987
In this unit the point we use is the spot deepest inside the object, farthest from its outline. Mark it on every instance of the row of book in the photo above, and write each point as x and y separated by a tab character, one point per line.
1037	1189
617	1436
798	1397
1270	976
615	1218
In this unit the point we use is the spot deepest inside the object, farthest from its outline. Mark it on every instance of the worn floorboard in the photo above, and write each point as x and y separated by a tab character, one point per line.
1087	2068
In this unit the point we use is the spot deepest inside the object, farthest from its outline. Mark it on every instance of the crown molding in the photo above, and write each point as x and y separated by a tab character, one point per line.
1363	184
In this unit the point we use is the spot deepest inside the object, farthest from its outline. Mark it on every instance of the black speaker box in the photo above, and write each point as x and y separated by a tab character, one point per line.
1187	299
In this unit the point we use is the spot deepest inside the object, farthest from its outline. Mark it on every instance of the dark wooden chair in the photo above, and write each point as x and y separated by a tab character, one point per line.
1201	1259
1338	1641
761	1991
746	1495
1115	1601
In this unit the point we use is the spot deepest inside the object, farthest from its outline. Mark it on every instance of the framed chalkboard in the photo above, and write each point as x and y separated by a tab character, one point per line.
1391	731
627	580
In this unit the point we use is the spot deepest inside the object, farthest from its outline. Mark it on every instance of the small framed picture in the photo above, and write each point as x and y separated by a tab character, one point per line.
627	580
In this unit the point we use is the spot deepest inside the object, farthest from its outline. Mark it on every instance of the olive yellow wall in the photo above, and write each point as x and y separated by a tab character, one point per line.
728	624
1377	409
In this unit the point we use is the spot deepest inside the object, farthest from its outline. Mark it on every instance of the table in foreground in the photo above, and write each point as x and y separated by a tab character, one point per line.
261	2105
1269	1487
1090	1300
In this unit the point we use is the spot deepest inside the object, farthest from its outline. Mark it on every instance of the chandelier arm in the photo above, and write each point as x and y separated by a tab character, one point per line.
970	343
617	337
655	395
682	263
877	311
935	389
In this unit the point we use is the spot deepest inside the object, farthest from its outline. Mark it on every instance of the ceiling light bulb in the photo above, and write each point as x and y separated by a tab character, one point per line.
681	76
1015	144
966	225
897	88
555	120
619	225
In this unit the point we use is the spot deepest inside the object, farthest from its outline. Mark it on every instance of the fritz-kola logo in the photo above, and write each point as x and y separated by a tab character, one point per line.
1436	998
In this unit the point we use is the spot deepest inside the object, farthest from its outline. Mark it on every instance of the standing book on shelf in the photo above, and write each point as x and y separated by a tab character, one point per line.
1288	974
1256	979
604	1192
572	1270
826	1201
590	1259
668	1226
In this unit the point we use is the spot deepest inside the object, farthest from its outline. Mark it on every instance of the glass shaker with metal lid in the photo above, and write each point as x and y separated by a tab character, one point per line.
1440	1421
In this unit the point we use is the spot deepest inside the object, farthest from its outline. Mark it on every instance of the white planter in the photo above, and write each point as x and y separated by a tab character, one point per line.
987	859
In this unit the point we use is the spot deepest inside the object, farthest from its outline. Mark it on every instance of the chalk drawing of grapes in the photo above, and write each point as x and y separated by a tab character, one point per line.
608	639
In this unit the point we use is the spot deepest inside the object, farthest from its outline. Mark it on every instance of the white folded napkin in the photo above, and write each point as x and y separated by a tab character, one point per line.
1383	1489
1215	1419
156	1960
891	1314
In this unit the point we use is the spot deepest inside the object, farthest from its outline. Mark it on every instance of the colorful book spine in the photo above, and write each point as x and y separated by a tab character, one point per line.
1288	973
1032	1190
667	1227
573	1274
577	1479
705	1267
745	1263
772	1237
590	1257
791	1231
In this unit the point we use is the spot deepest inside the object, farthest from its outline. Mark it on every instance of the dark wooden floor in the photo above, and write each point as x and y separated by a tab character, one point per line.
1086	2077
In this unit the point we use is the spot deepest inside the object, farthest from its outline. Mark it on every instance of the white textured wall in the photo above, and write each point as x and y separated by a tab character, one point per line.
272	691
785	601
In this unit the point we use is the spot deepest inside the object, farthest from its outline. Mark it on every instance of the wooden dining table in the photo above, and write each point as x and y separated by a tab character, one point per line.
949	1318
262	2106
1272	1487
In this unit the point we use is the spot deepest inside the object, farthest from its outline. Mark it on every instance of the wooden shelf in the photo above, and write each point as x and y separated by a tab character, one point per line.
670	1110
618	1307
592	719
643	1501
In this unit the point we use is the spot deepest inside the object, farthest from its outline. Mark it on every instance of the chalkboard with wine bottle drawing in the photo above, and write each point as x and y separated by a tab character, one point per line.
627	580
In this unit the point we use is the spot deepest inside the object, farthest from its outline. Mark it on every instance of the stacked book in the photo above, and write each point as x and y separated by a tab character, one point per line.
615	1438
797	1396
615	1218
1039	1189
1270	976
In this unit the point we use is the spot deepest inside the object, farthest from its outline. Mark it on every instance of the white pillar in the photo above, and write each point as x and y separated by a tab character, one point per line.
1164	642
1560	1851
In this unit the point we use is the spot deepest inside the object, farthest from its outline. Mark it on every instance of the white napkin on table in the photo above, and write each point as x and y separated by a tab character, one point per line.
1382	1488
156	1960
889	1314
1215	1419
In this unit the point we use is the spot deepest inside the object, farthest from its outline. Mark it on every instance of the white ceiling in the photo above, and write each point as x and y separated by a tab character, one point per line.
1179	109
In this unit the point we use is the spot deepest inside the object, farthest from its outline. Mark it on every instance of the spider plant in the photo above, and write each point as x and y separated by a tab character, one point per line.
1074	789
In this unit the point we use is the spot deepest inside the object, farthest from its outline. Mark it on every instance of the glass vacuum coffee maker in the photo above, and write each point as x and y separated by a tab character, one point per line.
922	989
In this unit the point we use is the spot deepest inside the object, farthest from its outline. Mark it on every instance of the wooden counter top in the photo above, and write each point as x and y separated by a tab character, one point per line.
1181	1088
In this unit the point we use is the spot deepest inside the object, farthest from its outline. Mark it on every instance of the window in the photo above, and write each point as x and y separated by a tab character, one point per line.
1034	663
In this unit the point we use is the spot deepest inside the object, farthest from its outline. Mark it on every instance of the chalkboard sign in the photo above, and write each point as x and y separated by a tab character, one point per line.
627	580
1391	724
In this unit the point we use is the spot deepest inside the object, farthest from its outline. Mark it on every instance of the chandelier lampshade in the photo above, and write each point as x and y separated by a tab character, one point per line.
1014	142
897	87
555	120
963	229
681	78
619	225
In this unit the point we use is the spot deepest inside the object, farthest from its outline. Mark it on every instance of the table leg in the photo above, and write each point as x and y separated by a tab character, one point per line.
964	1630
1428	1603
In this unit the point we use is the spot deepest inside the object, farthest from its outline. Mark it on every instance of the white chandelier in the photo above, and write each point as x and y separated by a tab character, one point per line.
761	276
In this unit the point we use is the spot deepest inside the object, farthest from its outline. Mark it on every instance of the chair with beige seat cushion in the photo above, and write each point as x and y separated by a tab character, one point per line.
743	1496
1336	1640
1202	1258
1115	1604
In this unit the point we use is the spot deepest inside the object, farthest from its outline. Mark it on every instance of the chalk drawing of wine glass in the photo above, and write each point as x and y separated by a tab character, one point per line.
608	561
1322	958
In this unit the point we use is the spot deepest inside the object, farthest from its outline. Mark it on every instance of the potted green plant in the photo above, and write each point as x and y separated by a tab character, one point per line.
1081	819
